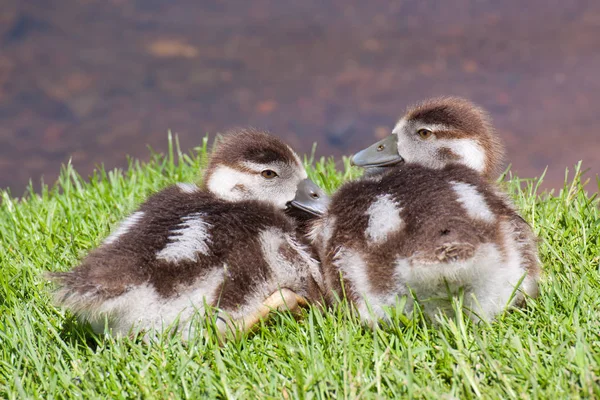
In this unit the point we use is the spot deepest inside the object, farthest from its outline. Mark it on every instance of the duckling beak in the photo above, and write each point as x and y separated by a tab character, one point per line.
381	154
310	198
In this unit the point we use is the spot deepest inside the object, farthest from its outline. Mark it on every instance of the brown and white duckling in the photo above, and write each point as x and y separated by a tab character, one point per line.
435	224
227	245
434	232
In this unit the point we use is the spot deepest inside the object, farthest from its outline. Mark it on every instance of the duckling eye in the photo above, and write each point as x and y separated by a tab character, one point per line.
268	174
424	133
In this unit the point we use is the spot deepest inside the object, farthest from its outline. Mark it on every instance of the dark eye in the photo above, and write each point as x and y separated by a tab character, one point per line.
268	174
424	133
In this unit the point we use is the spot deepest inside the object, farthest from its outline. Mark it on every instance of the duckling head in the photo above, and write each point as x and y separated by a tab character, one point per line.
253	165
436	133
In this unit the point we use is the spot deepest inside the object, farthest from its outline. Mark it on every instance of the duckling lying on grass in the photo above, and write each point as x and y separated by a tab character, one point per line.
428	220
227	245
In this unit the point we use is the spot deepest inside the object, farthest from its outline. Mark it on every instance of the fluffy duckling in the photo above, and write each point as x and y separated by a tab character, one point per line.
436	133
434	232
227	244
429	220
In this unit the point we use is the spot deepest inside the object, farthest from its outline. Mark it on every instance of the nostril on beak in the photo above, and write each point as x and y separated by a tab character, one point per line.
380	147
314	195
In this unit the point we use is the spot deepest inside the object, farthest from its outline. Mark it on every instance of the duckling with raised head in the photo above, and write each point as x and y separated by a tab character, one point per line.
434	232
429	220
227	244
436	133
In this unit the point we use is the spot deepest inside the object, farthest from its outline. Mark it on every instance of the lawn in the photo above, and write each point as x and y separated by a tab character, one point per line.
549	349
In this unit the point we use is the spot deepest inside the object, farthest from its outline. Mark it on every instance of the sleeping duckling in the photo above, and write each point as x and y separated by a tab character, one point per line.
434	225
227	244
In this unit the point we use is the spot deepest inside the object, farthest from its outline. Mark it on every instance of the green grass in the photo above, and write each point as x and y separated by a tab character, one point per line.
549	349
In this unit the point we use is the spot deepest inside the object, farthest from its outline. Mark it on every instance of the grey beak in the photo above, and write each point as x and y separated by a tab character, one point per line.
381	154
310	198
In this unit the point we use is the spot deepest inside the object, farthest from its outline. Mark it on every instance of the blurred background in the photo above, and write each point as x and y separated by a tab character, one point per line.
96	80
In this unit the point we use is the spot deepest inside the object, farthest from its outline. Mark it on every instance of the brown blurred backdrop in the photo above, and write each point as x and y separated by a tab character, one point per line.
96	80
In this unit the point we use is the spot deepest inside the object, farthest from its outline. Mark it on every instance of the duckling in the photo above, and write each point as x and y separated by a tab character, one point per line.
227	244
443	131
437	141
436	133
432	232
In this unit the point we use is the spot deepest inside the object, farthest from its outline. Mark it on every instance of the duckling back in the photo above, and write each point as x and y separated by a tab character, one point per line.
434	232
182	250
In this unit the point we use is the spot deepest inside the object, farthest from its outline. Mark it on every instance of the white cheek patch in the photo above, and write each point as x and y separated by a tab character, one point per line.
384	218
224	179
472	201
124	227
188	188
470	152
190	238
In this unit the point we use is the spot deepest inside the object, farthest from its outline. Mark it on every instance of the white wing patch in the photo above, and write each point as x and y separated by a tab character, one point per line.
124	227
472	201
191	237
188	188
384	218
